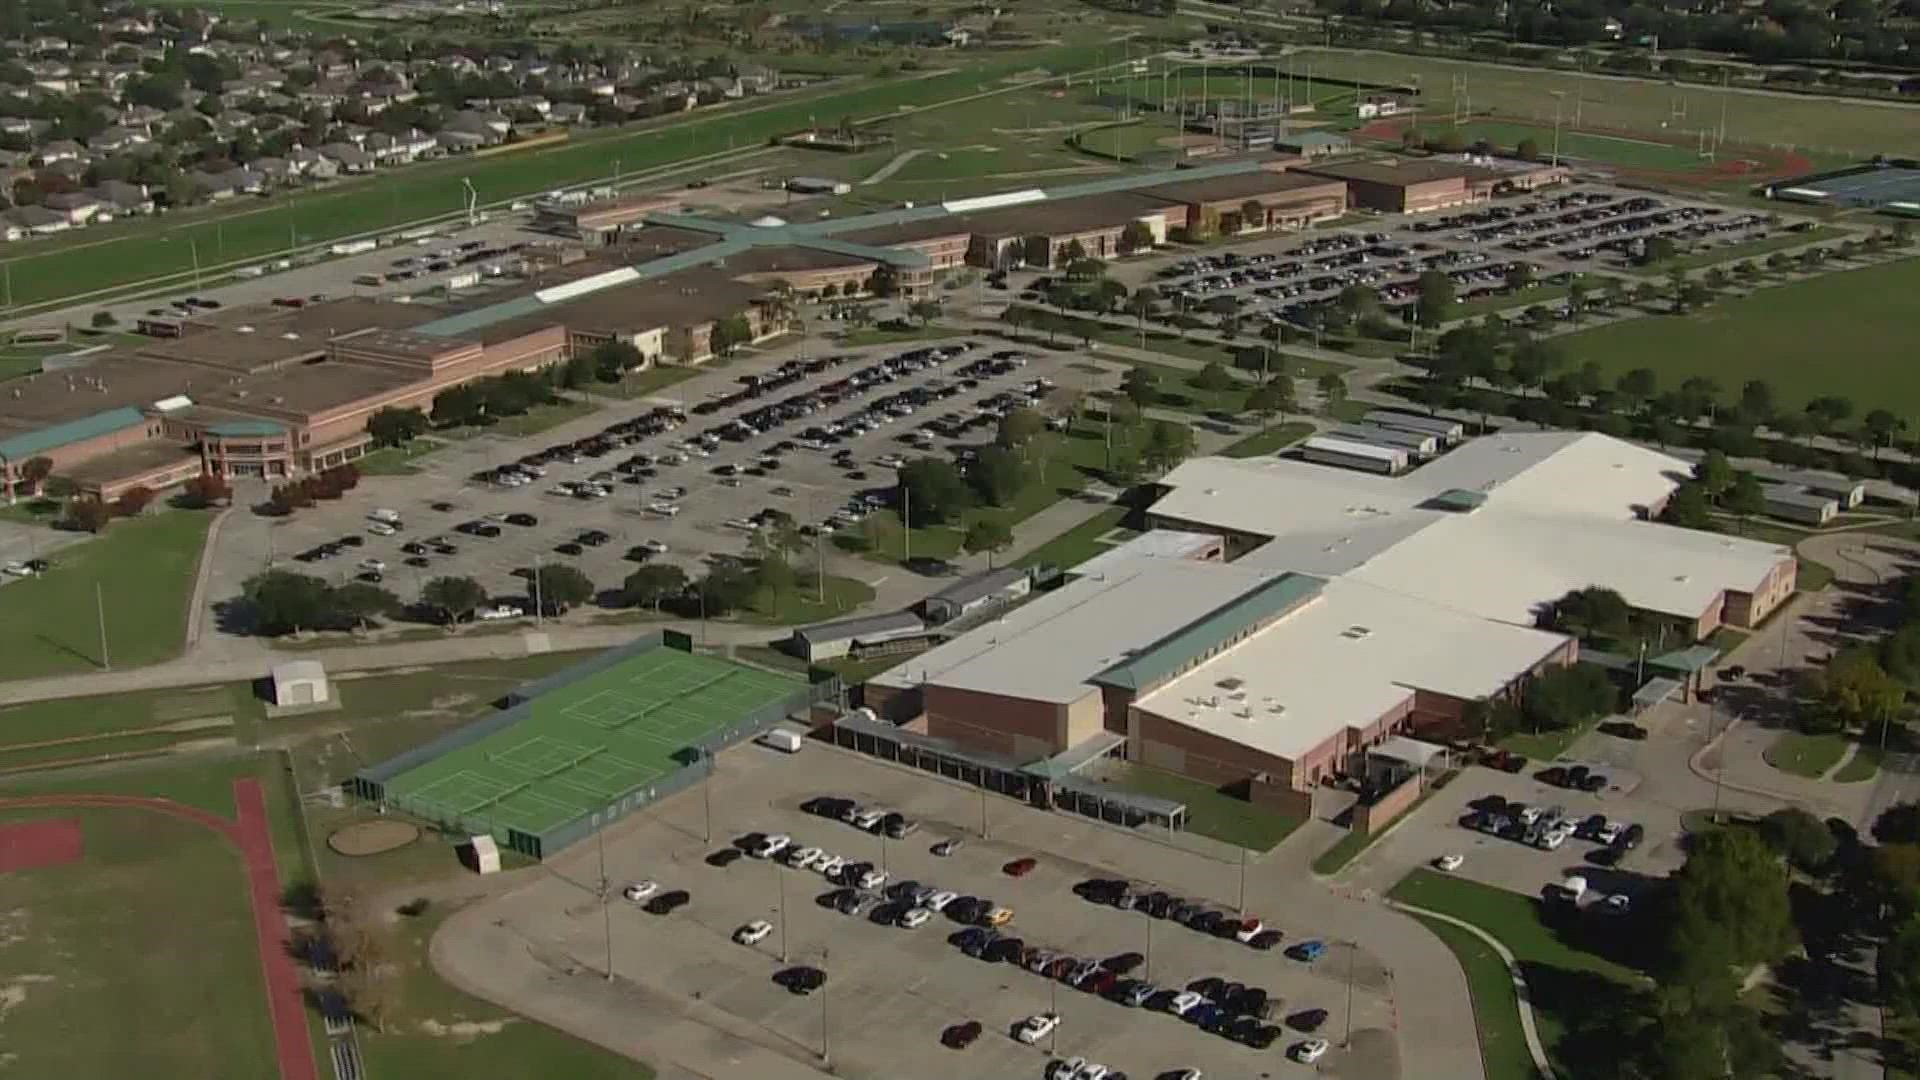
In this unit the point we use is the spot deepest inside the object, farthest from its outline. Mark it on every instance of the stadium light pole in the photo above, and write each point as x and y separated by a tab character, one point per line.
1559	99
781	880
706	796
606	912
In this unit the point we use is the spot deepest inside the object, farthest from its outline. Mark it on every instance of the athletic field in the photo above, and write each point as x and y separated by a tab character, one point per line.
1588	146
583	745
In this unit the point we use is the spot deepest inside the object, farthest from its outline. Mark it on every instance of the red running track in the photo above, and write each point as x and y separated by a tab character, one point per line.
252	836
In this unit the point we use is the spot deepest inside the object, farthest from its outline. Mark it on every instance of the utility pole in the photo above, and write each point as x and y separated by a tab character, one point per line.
1559	97
906	524
983	813
100	609
539	609
606	912
826	1054
1147	974
1347	1039
1242	906
706	795
193	246
780	880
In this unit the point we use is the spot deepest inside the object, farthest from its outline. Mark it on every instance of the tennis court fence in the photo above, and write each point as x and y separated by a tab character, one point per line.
372	784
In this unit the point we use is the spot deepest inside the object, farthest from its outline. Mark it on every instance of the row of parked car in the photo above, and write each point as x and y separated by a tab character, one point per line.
1549	827
1191	914
868	819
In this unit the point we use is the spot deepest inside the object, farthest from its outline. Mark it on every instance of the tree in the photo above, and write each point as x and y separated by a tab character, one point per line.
204	491
1168	444
1333	390
653	584
559	587
1214	378
1519	275
1657	250
730	333
358	603
1804	839
1688	507
1135	237
931	491
1566	697
997	476
459	405
726	588
612	361
455	598
773	578
1900	969
579	371
1253	215
1734	883
1018	428
1527	149
1436	294
1857	692
283	602
1271	398
396	427
1593	612
1638	386
1143	302
1140	386
34	472
1898	824
1746	498
989	535
884	281
1882	425
924	310
133	500
85	515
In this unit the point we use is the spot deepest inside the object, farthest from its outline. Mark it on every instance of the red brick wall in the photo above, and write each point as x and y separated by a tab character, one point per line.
1209	758
1370	819
76	453
991	721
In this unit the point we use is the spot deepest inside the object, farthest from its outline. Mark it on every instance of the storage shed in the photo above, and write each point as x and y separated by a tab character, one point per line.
300	682
976	593
1413	442
832	640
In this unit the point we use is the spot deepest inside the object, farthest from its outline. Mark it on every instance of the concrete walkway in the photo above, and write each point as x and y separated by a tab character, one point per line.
1528	1027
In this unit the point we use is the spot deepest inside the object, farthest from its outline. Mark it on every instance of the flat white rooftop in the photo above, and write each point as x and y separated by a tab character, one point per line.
1355	653
1152	544
1562	511
1047	649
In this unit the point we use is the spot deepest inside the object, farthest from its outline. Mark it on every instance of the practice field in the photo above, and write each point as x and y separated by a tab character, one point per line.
1851	333
1606	103
583	745
1578	145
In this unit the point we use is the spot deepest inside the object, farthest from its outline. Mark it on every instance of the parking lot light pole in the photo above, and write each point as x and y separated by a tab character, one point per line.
706	797
1243	883
826	1054
781	880
1144	914
1053	1010
1347	1039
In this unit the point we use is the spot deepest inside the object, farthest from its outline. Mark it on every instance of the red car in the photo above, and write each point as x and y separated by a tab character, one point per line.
1020	867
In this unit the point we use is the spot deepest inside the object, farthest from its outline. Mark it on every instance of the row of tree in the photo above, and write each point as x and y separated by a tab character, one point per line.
323	486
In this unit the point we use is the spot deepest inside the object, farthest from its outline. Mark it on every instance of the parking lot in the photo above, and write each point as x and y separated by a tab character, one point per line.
682	476
890	993
1510	860
1552	235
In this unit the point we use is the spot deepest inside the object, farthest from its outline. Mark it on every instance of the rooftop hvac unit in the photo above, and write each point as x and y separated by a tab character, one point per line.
1231	682
1357	633
1244	714
1277	709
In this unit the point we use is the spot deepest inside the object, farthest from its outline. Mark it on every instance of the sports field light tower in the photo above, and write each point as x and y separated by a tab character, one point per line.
473	202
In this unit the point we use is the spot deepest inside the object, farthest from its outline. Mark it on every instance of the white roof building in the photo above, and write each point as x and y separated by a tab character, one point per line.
1496	528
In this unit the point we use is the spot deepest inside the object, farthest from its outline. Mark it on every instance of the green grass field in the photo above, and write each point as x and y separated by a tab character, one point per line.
1630	105
1268	441
1858	323
193	1003
1803	755
1562	980
122	254
1496	1004
1082	542
1209	813
1044	322
144	570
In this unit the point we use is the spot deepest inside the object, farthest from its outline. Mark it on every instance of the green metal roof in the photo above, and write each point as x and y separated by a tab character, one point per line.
1460	499
244	428
1161	659
29	443
1690	659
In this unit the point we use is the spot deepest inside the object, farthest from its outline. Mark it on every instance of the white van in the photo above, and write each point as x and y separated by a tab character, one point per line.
385	516
785	740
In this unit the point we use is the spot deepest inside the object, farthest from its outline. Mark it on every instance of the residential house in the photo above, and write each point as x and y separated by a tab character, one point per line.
51	76
22	127
757	78
114	140
457	142
568	112
78	207
534	102
38	220
123	197
144	117
313	164
492	127
70	169
61	150
11	230
275	170
602	87
349	157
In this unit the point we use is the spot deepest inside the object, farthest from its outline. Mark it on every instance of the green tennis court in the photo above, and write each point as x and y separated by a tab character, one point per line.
582	745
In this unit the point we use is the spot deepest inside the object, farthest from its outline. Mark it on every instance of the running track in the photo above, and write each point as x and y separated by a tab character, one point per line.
250	835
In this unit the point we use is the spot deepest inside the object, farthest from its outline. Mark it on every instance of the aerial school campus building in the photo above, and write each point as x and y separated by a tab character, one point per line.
1350	610
279	392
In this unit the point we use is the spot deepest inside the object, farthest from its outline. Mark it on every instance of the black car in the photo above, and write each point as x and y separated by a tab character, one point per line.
351	541
1208	987
1004	951
1307	1020
1263	1037
725	857
1592	782
826	806
801	980
668	902
418	562
524	520
414	547
1265	940
594	537
568	548
960	1036
1123	964
443	548
1630	837
1621	729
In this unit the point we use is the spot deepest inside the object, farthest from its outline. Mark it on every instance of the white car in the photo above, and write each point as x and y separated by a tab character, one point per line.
1551	841
804	858
939	900
1185	1002
830	865
754	932
1250	928
1449	862
381	528
873	879
1093	1070
502	611
1066	1068
1035	1028
915	918
1609	832
640	890
1187	1074
1617	904
1310	1051
18	569
655	546
867	818
769	846
376	565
